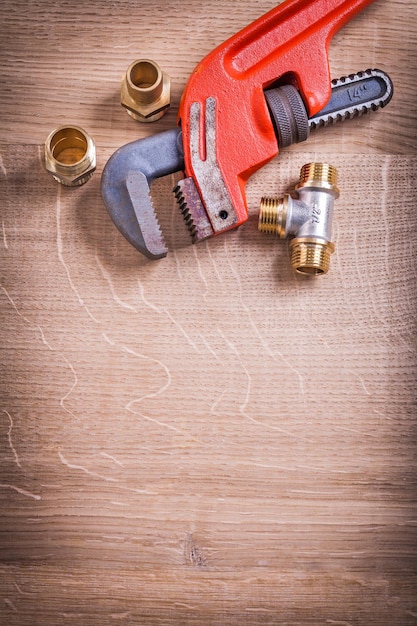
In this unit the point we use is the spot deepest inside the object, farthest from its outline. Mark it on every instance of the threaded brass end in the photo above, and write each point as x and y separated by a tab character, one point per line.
310	256
273	215
318	175
144	81
145	91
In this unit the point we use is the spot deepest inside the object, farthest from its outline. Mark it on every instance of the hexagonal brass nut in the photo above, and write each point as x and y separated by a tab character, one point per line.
145	91
70	155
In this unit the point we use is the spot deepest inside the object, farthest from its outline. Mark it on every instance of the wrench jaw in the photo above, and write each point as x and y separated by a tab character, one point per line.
203	198
213	190
125	187
150	240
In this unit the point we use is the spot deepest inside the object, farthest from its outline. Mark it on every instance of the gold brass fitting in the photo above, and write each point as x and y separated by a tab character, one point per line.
306	219
309	255
145	91
70	155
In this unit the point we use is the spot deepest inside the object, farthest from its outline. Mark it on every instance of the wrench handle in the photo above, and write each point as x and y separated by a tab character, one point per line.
259	51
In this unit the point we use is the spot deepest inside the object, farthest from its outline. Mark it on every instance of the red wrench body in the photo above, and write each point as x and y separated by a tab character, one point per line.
288	44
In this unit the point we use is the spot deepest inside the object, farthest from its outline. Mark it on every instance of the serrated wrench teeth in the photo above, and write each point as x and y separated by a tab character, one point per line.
137	186
193	210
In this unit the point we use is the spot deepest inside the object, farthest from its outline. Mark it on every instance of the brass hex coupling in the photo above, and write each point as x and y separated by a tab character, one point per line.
307	220
145	91
70	155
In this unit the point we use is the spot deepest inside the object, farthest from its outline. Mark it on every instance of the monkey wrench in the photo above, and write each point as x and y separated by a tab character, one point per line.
254	94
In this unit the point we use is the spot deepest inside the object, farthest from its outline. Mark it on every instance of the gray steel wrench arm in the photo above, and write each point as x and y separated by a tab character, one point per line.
126	182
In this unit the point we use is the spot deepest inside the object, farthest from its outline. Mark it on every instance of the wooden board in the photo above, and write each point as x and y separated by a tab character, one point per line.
207	439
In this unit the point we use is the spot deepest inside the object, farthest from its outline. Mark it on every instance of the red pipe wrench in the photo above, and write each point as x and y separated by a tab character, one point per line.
226	129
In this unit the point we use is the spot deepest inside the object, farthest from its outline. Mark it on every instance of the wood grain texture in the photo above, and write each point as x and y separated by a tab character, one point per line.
208	439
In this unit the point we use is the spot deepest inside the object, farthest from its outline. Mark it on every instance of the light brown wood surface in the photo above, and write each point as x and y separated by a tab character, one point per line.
207	439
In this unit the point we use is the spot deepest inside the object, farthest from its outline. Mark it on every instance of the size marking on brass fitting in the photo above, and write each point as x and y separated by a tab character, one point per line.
70	155
145	91
307	219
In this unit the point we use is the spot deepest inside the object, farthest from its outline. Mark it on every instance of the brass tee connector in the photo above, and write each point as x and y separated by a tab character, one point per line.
145	91
307	219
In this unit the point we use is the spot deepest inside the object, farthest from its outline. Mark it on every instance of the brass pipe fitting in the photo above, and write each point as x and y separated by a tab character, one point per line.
70	155
145	91
307	220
